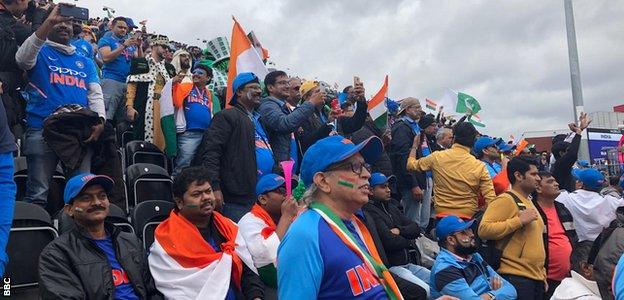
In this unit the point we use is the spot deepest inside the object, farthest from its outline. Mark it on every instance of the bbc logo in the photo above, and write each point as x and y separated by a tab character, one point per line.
6	287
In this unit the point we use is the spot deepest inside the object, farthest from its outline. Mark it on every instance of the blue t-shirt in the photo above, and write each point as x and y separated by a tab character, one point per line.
119	68
197	109
83	47
123	287
57	79
321	266
492	168
264	154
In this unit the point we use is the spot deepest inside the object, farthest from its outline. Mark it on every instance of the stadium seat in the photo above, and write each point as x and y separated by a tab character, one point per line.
32	230
144	152
146	217
147	182
116	216
57	185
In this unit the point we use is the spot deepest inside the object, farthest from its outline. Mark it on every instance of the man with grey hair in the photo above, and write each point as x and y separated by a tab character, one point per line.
444	138
328	251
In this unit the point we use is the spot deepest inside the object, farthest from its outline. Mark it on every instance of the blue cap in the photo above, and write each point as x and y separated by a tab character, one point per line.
333	149
268	183
451	224
503	146
240	81
130	23
78	182
583	163
482	143
377	179
590	178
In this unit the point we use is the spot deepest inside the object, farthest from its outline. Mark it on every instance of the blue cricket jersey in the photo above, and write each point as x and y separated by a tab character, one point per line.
57	79
313	263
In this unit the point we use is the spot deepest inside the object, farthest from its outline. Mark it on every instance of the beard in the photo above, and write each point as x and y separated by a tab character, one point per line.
466	250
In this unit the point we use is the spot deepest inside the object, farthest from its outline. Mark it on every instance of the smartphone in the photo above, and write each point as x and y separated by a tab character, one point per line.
78	13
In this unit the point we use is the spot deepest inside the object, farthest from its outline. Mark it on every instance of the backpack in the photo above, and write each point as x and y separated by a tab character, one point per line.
487	248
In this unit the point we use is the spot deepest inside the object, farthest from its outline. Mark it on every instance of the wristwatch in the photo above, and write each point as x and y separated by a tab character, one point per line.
492	297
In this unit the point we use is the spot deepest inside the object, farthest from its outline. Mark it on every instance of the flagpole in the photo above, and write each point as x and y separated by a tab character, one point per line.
575	72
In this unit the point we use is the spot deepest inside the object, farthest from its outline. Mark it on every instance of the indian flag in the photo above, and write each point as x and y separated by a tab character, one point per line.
458	102
476	121
377	106
185	266
432	105
258	230
243	58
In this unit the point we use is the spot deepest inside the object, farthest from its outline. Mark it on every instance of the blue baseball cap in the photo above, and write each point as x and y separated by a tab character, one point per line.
130	23
377	179
268	183
451	224
78	182
583	163
240	81
590	178
482	143
503	146
333	149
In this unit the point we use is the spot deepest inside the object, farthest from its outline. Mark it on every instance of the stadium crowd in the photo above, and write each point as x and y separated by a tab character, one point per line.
424	207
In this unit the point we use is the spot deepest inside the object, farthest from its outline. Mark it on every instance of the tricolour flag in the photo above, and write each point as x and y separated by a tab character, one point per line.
458	102
377	106
430	104
258	229
185	266
476	121
243	58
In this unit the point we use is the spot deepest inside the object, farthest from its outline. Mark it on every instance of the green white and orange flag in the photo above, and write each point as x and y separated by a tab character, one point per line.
430	104
243	58
476	121
377	106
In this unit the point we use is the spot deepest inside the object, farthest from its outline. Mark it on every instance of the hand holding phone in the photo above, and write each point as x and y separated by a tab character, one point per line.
75	12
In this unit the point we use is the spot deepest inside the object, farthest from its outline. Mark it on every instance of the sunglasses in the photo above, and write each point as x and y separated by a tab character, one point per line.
199	72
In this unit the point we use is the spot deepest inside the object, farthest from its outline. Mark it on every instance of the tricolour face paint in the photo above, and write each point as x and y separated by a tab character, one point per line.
191	205
346	183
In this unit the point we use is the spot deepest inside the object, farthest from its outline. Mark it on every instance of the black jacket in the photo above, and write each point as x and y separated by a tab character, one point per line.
387	216
74	267
408	289
228	151
402	140
66	130
562	169
382	165
349	125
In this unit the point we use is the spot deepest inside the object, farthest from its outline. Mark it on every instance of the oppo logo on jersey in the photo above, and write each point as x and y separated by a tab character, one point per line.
67	76
63	70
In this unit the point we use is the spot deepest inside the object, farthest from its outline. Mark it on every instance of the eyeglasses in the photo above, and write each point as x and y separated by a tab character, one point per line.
199	72
356	167
280	190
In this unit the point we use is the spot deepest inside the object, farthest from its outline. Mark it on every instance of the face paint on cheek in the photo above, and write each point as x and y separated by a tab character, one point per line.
191	205
346	183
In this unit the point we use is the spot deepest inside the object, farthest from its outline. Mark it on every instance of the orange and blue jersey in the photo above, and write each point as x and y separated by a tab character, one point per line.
314	263
57	79
197	107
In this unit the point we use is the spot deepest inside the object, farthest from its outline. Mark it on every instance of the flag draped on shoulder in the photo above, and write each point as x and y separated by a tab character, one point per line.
369	255
243	58
377	106
258	229
185	266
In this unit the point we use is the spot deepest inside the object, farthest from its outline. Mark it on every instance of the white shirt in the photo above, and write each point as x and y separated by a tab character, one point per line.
591	211
576	287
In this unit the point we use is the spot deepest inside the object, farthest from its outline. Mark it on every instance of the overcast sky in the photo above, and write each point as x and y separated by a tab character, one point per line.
510	55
